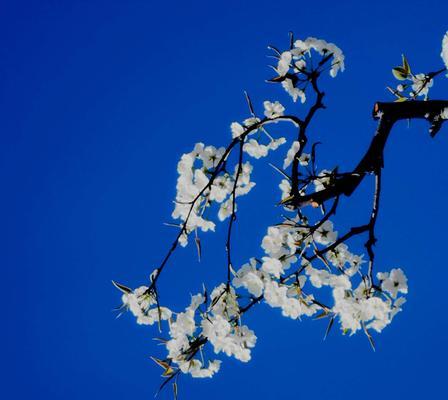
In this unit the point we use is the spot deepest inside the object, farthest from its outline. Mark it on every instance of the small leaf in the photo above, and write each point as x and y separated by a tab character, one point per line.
160	363
122	288
369	336
399	73
406	66
286	200
175	391
400	99
330	325
198	247
323	314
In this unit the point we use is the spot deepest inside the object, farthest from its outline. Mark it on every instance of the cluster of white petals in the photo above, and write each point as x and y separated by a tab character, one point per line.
444	53
294	62
323	48
303	269
195	193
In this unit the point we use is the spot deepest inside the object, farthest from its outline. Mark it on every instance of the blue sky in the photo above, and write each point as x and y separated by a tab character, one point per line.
99	99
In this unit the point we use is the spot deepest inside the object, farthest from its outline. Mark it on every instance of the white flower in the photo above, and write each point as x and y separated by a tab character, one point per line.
284	63
285	187
444	113
138	302
194	368
304	159
444	53
248	122
323	48
221	188
225	210
421	85
237	129
273	110
325	233
224	301
321	277
249	278
210	156
295	147
322	180
272	266
232	340
280	296
278	243
257	150
393	282
294	92
397	306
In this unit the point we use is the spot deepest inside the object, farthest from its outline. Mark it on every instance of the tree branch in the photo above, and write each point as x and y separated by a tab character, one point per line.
387	114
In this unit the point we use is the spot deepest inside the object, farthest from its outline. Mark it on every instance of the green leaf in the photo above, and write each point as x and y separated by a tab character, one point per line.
399	73
400	99
406	66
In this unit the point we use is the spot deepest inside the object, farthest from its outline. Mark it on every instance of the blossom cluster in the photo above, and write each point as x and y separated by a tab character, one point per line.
306	268
203	181
413	86
293	63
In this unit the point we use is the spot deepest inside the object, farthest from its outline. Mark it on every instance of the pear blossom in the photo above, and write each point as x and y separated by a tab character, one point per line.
323	48
250	278
195	369
285	187
257	150
322	180
295	147
325	234
294	92
278	242
394	282
444	113
237	129
299	257
139	302
284	63
272	266
421	84
273	110
444	53
233	340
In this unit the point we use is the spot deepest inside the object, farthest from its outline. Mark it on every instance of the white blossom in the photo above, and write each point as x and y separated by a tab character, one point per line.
250	278
444	53
294	92
273	110
444	113
139	303
325	234
195	369
237	129
323	48
257	150
322	180
284	63
393	282
231	339
272	266
295	147
421	85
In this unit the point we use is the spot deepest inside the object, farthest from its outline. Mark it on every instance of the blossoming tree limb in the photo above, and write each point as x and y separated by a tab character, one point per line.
303	253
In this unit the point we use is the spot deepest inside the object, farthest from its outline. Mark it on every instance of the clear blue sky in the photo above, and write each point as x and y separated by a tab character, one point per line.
98	99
